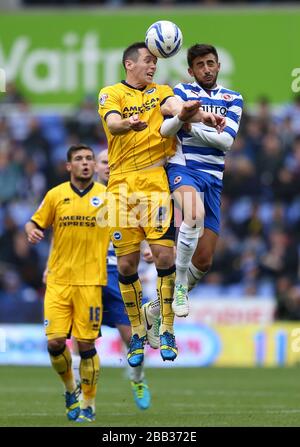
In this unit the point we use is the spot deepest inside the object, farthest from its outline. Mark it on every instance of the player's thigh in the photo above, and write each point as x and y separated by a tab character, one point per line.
58	310
125	233
87	315
190	201
163	253
212	204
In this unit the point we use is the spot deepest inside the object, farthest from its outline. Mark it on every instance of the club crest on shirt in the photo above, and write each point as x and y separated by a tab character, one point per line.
151	90
102	99
227	97
117	236
95	201
177	179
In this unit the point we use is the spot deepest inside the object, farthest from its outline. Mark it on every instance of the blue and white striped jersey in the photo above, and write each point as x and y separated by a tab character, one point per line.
201	149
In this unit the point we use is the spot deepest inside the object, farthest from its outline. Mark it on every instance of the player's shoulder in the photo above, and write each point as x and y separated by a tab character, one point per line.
62	187
114	88
183	85
99	188
185	89
226	91
54	194
162	88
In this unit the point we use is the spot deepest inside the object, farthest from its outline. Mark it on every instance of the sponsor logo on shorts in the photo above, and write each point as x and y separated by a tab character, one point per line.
95	201
117	236
177	179
102	99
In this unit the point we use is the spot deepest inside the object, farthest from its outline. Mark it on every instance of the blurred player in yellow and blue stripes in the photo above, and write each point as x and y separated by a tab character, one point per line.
76	274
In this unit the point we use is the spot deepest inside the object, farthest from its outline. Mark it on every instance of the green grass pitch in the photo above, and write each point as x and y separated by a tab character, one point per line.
191	397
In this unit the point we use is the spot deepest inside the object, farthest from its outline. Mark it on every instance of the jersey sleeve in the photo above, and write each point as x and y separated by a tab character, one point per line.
44	215
234	115
180	92
165	92
109	102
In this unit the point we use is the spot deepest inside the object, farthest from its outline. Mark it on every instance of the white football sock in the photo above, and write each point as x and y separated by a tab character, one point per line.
186	244
75	364
136	374
194	275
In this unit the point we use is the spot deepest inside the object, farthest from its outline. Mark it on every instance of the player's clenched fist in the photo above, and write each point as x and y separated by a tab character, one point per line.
189	109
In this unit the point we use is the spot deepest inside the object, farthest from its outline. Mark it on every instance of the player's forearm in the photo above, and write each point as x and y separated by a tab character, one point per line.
171	126
172	106
222	141
119	127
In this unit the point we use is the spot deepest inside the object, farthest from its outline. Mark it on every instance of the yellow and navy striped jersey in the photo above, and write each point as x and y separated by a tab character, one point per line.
133	151
78	255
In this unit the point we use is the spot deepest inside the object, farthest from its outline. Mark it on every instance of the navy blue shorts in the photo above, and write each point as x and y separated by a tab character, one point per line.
113	306
209	185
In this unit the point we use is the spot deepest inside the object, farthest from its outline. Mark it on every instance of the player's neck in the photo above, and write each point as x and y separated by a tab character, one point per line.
131	82
81	185
208	89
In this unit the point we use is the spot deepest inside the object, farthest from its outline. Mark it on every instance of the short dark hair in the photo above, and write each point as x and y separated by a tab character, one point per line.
200	49
77	147
132	52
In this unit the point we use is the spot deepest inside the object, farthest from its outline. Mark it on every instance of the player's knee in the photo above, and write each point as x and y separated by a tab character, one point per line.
56	345
164	260
127	266
127	269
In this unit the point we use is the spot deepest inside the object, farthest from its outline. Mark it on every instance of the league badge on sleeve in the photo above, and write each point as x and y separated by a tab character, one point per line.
102	99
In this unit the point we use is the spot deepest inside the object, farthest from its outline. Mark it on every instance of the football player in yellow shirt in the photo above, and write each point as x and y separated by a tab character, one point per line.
76	274
140	206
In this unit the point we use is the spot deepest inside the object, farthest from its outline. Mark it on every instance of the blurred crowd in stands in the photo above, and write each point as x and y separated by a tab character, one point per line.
144	2
259	249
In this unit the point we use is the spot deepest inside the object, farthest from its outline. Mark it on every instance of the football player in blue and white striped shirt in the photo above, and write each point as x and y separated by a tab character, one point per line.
196	170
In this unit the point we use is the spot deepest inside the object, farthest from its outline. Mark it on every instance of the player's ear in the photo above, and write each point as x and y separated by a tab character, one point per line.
128	64
190	71
68	166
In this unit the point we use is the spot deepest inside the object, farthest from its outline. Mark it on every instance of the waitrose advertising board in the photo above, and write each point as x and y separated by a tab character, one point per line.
60	57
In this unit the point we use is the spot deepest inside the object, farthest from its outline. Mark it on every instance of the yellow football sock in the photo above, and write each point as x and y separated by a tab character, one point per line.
62	363
131	290
165	289
89	373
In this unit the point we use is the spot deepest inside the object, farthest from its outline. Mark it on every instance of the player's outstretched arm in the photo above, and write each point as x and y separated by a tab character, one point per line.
34	234
222	141
190	112
118	125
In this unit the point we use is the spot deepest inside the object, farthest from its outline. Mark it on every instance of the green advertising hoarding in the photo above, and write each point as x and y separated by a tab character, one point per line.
59	57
